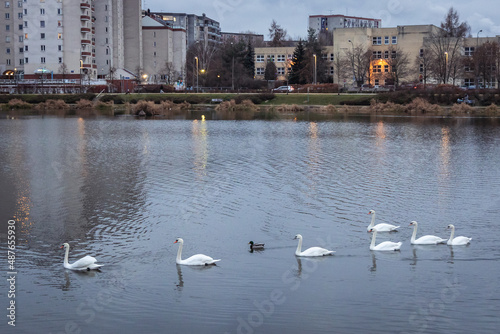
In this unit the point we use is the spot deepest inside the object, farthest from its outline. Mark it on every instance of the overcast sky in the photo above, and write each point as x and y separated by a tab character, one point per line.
256	15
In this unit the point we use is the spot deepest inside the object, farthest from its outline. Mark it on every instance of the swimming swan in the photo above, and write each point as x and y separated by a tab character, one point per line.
384	246
457	241
380	227
195	260
85	263
313	251
426	239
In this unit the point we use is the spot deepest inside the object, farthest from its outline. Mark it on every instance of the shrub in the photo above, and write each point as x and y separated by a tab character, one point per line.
84	104
491	109
421	106
388	107
52	105
461	108
19	104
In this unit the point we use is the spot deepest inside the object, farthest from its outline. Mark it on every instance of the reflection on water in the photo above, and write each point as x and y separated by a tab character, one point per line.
124	189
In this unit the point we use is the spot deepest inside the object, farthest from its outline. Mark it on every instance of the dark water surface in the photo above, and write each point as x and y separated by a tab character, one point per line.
123	189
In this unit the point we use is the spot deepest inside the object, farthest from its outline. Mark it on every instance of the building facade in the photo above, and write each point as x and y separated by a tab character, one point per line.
324	23
199	29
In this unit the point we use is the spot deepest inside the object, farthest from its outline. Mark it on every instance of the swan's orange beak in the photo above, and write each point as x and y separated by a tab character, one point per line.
62	246
175	241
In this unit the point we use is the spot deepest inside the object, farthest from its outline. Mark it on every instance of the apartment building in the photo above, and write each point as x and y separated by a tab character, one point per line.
71	39
199	29
324	23
164	50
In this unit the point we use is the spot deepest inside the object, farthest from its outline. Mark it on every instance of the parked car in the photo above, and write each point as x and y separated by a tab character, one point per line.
466	100
283	89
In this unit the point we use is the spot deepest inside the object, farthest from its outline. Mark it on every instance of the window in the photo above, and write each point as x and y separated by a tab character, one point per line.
23	61
469	82
42	35
26	24
377	68
7	50
26	48
59	11
394	39
393	55
7	39
377	54
60	60
21	50
270	58
281	70
386	40
20	16
7	27
260	58
42	11
20	4
42	24
332	58
154	44
281	58
386	68
7	4
421	69
8	61
59	36
20	27
21	37
7	16
59	23
25	11
332	72
42	60
377	40
386	54
469	51
421	53
469	68
59	48
260	70
42	47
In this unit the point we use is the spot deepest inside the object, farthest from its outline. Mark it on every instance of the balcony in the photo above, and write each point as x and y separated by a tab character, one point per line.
85	18
86	53
84	5
86	41
85	30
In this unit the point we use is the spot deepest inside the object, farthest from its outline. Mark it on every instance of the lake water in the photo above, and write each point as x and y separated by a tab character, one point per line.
122	189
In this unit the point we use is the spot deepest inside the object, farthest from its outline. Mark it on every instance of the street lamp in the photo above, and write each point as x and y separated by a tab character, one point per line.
315	71
145	77
232	69
477	37
196	58
445	67
477	46
352	62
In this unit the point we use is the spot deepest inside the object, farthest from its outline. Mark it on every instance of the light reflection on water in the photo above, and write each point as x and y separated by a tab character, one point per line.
122	190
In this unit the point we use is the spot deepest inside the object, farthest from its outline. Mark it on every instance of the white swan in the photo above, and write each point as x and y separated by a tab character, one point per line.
384	246
380	227
426	239
313	251
457	241
195	260
85	263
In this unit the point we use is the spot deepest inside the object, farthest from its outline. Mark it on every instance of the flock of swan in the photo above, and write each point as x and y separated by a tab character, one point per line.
89	263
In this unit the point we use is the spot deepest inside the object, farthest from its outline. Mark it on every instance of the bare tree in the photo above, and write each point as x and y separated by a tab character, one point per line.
398	62
485	61
276	34
360	61
340	67
63	69
423	64
444	47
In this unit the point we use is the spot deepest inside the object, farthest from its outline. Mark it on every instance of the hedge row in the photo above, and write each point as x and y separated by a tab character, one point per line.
189	98
40	98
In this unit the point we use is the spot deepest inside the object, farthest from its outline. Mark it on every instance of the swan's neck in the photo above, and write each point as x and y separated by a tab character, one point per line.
66	255
452	233
373	220
299	247
179	253
374	236
414	235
